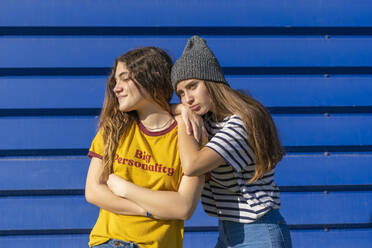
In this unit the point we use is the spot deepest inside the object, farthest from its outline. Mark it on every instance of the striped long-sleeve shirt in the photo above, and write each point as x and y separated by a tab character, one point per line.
228	195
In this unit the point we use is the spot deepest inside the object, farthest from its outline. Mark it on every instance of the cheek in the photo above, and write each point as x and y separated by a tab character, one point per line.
207	101
134	91
209	104
182	99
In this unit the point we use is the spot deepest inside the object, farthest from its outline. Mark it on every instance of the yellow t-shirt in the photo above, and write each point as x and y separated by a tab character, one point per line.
151	160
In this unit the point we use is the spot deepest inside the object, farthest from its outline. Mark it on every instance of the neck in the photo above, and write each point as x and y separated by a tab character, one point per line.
153	117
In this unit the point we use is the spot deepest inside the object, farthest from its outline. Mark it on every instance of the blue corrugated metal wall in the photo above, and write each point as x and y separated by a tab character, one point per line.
309	62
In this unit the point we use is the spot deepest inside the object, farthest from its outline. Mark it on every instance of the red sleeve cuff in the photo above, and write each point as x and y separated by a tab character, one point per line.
93	154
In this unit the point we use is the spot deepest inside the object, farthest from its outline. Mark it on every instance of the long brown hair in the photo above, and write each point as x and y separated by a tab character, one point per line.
262	134
149	68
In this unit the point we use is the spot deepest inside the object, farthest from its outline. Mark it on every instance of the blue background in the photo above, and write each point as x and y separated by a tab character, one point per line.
309	62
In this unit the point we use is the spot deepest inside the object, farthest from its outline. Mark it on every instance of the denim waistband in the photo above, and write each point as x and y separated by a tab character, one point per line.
273	216
120	243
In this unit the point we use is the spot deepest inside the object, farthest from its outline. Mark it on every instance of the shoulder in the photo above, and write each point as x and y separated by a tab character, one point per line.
232	124
233	120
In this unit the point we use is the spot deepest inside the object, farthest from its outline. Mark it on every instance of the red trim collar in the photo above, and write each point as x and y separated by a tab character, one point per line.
158	133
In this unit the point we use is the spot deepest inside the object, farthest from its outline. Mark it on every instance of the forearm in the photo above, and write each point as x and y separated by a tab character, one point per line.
168	204
196	161
101	196
189	150
162	204
98	193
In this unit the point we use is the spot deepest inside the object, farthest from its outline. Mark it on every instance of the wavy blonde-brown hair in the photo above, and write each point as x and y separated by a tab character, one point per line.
149	68
262	134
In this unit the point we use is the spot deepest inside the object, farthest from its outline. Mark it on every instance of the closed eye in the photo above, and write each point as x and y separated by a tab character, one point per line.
180	94
124	79
193	85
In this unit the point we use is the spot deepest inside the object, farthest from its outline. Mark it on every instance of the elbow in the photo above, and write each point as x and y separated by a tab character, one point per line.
187	216
189	170
190	173
187	212
89	195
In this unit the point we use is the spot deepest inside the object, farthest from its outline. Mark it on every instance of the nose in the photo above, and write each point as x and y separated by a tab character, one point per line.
117	89
189	99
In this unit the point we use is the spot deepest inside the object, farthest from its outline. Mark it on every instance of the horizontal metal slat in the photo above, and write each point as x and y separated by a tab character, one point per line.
24	133
81	94
299	208
66	173
94	52
191	13
334	169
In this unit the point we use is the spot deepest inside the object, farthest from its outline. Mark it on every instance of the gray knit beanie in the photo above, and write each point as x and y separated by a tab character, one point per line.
197	61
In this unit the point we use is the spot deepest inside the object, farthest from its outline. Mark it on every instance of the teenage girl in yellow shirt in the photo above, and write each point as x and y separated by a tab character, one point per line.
138	141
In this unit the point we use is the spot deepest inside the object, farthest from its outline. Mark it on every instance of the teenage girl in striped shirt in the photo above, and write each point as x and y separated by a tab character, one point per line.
241	154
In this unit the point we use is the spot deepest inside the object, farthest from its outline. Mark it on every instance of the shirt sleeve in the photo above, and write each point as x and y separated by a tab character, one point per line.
231	143
97	147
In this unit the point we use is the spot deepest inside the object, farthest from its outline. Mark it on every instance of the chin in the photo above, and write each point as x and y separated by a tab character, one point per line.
201	112
124	109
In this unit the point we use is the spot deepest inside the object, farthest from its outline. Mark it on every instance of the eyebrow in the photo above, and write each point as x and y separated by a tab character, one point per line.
123	73
191	82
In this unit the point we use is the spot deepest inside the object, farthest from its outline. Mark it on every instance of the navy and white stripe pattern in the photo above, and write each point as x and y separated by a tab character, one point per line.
227	195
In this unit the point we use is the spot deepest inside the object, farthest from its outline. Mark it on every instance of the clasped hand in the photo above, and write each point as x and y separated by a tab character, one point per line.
194	125
117	185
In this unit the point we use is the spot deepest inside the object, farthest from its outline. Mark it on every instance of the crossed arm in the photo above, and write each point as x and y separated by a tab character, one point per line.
162	204
98	193
123	197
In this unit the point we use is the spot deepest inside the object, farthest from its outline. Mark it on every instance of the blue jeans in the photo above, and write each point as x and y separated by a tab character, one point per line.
268	231
114	243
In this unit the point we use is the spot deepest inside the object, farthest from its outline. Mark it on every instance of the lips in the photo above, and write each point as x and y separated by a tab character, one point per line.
195	107
120	97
